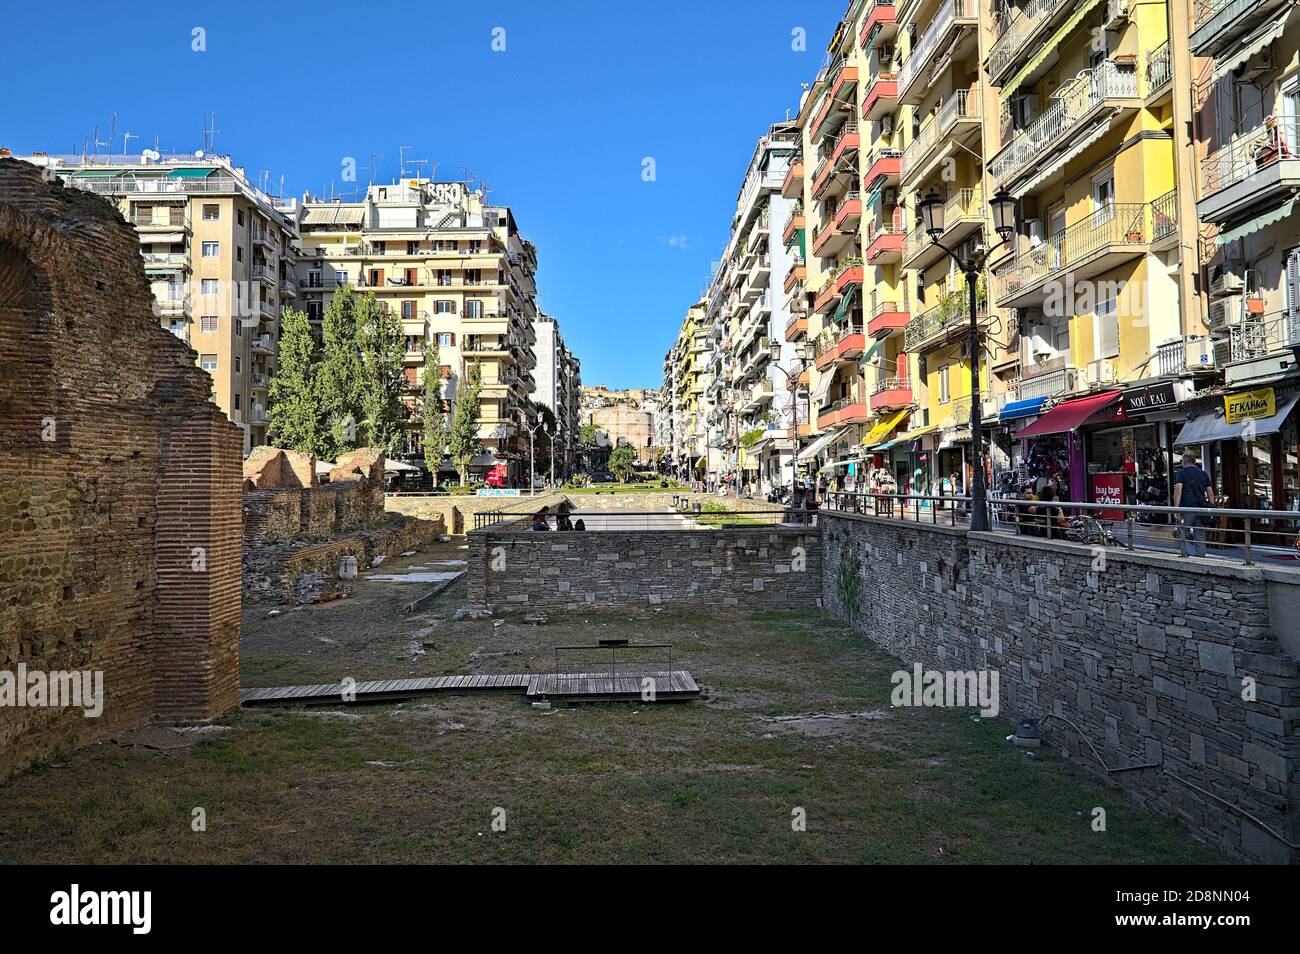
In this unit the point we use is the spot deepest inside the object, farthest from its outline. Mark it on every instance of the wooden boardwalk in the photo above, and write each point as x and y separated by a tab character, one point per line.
675	686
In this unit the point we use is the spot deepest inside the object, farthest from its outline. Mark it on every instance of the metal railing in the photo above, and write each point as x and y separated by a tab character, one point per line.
1164	215
1047	384
1074	100
953	309
961	105
1120	224
1160	67
949	11
1277	138
1244	535
1017	31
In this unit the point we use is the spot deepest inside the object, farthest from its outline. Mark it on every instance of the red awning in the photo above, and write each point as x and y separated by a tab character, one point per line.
1069	414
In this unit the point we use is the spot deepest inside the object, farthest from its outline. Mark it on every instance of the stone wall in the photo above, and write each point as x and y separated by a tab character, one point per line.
1146	654
352	500
758	567
119	481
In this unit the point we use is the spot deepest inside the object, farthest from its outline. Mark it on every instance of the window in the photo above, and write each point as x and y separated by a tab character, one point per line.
209	286
444	276
412	248
341	277
1103	196
1106	329
381	248
209	324
237	401
408	310
444	306
211	249
239	254
177	327
473	276
945	394
240	218
211	213
1293	291
239	329
445	339
473	308
239	364
208	362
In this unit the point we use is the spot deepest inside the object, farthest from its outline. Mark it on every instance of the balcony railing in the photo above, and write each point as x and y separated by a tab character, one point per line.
1164	215
1017	31
1111	225
1074	100
1183	354
1048	384
1276	139
948	12
961	105
952	310
1160	67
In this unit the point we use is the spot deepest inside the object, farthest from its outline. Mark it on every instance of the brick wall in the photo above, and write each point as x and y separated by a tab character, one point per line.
760	568
114	467
1146	655
352	500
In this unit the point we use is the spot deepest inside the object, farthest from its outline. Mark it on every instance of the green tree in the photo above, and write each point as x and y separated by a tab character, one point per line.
342	374
622	461
383	352
587	435
297	422
431	413
463	438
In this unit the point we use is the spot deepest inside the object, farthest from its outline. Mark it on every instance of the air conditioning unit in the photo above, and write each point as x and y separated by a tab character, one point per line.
1226	283
1116	13
1101	372
891	197
1224	314
1036	231
887	126
1199	353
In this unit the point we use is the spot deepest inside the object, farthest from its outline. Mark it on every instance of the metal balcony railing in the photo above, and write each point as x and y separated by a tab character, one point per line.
1277	138
891	384
948	12
1048	384
1074	100
1122	224
1160	67
1164	215
952	310
1017	30
961	105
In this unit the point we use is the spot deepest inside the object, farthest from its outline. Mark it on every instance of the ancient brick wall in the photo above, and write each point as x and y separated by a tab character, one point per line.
352	500
119	481
758	567
1147	655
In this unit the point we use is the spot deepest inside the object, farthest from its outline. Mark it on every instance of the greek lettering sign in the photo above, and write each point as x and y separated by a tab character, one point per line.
1249	405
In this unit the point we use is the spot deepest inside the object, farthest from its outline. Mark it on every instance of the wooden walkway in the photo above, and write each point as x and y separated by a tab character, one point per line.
674	686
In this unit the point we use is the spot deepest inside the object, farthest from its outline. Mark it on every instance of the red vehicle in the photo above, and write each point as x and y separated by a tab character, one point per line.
498	476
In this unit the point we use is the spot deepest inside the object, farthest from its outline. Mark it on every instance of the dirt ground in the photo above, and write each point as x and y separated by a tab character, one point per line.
795	723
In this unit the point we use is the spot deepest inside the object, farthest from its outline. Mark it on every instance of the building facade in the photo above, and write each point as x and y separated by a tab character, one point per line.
559	381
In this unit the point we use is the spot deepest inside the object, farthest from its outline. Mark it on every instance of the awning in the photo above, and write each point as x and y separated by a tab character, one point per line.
162	238
1050	45
1255	224
97	173
1248	47
884	428
866	358
1018	409
1068	415
1079	143
817	446
823	387
1210	426
333	214
845	301
190	173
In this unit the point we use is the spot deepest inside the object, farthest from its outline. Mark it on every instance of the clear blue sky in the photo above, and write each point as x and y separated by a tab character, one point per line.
558	123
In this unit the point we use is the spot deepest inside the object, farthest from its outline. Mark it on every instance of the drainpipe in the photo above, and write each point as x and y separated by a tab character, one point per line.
1190	309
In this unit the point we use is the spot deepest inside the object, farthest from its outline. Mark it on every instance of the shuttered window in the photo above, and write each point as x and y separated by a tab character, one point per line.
1107	329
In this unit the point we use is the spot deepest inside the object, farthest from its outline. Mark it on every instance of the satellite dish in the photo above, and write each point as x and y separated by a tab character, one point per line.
198	153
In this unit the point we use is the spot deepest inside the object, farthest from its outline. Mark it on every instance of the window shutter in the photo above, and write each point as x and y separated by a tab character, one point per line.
1108	331
1293	290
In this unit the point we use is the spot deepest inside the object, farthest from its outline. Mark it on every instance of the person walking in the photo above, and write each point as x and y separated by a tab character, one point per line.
1192	488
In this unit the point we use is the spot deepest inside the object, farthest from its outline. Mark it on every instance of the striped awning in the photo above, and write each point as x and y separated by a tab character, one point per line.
1049	46
1255	224
1081	142
884	428
190	173
1248	47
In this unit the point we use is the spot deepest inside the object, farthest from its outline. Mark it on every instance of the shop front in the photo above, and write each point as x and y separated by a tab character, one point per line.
1129	448
1053	446
880	467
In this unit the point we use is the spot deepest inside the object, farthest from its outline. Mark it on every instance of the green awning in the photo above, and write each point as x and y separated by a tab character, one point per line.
797	237
875	343
1050	46
845	303
1255	224
98	173
189	173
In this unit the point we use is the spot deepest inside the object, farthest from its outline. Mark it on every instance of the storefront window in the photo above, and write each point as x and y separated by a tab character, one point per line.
1290	466
1131	457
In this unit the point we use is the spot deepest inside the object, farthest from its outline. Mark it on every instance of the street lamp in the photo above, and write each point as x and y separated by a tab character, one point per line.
531	432
1003	208
805	356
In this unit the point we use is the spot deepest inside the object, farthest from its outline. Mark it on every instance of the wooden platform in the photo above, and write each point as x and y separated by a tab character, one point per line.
674	686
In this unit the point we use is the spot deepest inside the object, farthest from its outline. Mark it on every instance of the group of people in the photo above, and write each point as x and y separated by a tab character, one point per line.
542	519
1039	512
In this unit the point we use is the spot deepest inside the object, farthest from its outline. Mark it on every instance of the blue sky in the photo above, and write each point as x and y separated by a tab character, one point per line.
558	123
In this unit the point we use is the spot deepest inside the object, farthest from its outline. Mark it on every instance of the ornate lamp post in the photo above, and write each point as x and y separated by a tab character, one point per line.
1003	208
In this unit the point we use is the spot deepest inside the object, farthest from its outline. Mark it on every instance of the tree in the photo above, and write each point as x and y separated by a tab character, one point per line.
431	412
587	435
342	374
383	352
297	421
463	438
622	461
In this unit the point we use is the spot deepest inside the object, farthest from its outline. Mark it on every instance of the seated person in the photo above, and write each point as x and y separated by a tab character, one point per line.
539	521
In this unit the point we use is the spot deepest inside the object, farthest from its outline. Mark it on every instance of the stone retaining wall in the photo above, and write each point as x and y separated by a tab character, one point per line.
1148	655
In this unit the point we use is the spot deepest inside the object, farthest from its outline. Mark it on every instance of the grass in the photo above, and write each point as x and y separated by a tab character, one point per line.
796	717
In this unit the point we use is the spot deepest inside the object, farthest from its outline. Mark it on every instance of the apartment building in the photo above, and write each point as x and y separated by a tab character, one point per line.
558	378
1245	69
220	257
681	418
456	270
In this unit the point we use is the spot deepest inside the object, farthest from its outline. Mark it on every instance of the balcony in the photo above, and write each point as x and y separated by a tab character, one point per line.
1159	68
882	169
890	394
289	288
796	328
1103	240
887	318
792	228
1184	355
263	236
881	23
847	410
848	274
841	90
839	343
150	221
262	344
1049	383
947	318
1222	24
1257	171
882	96
792	185
166	261
826	296
849	213
1083	109
797	274
963	215
884	243
837	162
1013	44
952	29
265	273
259	380
958	117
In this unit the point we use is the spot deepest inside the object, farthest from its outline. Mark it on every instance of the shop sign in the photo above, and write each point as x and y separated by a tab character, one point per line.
1249	405
1153	397
1108	488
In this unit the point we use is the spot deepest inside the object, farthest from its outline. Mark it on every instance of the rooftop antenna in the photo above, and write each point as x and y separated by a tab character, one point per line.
210	131
468	175
112	133
417	163
126	139
486	190
401	161
373	164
